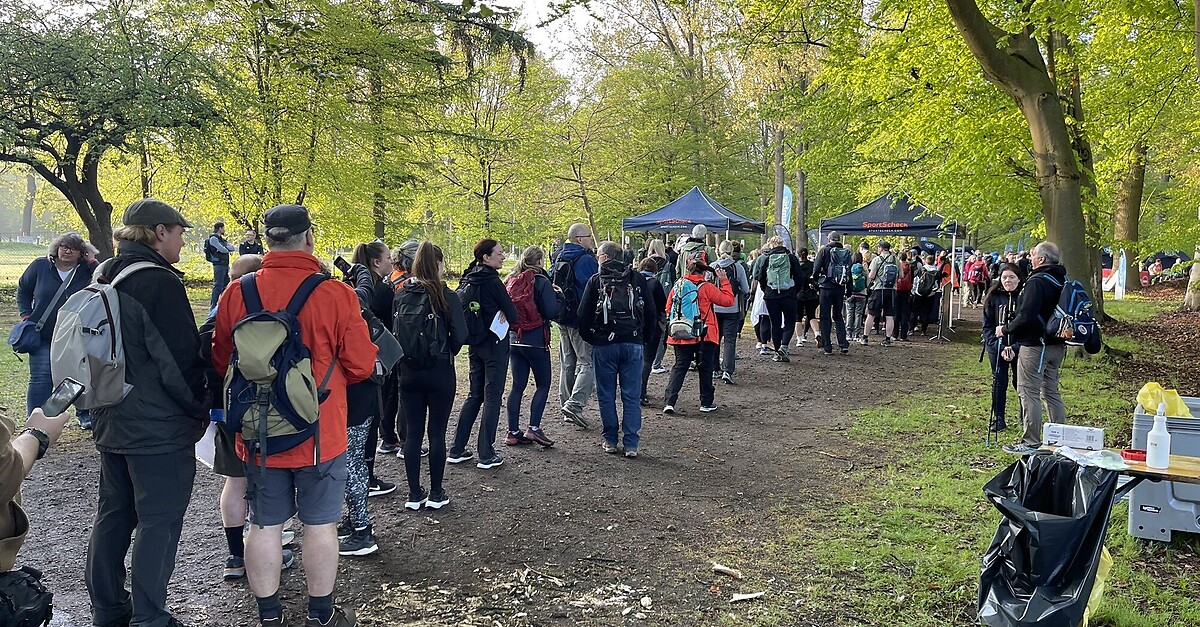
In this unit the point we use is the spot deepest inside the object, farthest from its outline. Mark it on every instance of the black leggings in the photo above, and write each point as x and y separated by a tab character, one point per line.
782	330
426	395
524	360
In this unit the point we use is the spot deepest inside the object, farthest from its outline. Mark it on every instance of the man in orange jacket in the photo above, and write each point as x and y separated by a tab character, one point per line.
295	481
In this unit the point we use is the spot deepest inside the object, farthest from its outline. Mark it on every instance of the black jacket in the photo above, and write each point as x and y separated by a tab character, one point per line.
493	297
820	266
549	303
654	289
591	296
167	409
806	289
999	308
1035	306
797	277
452	321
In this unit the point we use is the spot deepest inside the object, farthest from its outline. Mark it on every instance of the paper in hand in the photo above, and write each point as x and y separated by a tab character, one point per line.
499	326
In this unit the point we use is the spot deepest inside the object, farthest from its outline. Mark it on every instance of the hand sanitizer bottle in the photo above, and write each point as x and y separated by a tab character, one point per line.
1158	441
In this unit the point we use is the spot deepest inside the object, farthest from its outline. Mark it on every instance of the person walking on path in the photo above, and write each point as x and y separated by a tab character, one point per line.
572	268
808	299
427	389
729	318
146	441
778	276
655	339
537	302
615	316
999	308
693	291
664	273
832	272
217	249
856	299
483	294
903	301
309	479
883	274
45	285
1040	356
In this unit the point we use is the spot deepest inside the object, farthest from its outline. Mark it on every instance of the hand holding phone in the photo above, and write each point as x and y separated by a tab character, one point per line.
342	264
62	397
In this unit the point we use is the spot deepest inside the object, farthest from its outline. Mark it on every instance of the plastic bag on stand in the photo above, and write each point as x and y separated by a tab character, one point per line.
1042	562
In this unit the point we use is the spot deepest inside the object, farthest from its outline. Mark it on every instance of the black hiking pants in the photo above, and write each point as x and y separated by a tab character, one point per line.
833	312
426	398
489	370
783	320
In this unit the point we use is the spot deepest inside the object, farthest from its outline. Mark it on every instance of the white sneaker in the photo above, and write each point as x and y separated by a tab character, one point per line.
658	370
708	408
669	409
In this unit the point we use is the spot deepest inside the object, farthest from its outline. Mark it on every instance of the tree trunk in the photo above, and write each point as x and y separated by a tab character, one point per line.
1129	212
378	150
144	165
801	199
1191	300
30	196
779	174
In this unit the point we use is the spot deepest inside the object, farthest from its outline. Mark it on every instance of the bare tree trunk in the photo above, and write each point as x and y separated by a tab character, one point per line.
30	196
779	175
1129	212
801	199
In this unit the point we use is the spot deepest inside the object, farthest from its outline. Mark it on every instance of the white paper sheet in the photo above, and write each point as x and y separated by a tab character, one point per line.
500	326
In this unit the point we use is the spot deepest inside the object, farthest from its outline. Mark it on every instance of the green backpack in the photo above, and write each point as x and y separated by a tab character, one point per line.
779	272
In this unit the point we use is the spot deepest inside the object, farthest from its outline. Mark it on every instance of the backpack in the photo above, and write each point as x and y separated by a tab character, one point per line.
1072	319
838	270
417	328
271	396
927	281
905	282
210	253
731	273
685	322
889	272
779	272
858	278
666	271
87	344
24	601
562	275
619	310
477	327
521	291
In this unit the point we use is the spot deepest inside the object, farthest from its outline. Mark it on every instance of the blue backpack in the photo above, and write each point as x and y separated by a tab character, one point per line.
1072	319
685	322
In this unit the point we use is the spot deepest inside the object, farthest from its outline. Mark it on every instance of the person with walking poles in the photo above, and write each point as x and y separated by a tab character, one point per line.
883	273
292	469
692	329
615	317
999	308
216	251
1040	355
570	272
537	302
832	272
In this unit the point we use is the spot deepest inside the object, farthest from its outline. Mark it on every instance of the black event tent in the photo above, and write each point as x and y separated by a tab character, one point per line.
890	214
690	209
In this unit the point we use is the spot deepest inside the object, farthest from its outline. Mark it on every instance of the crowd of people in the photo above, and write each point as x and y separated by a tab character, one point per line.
309	379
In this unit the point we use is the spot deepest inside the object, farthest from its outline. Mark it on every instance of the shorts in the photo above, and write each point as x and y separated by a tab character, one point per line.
882	303
316	493
808	310
225	460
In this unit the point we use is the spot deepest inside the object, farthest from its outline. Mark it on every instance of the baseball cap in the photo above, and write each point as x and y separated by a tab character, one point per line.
834	236
294	218
884	244
151	212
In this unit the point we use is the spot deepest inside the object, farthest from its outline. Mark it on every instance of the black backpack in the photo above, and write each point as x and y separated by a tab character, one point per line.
926	283
24	601
619	310
477	328
838	269
210	253
562	275
417	328
731	273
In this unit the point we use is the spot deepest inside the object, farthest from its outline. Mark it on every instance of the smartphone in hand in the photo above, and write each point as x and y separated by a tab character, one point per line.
341	264
62	397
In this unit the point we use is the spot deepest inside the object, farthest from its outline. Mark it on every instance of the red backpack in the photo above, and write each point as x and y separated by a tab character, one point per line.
905	282
520	290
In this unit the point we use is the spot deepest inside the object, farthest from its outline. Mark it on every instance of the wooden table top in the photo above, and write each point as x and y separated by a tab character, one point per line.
1182	469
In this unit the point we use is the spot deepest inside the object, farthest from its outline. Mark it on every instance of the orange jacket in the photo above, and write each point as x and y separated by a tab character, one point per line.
396	279
330	323
707	297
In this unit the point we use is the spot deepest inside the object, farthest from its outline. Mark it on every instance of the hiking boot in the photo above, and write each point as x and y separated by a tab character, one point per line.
887	341
235	568
997	424
535	434
424	452
708	408
575	417
491	462
669	410
388	448
657	370
515	438
361	542
610	447
631	452
416	499
379	487
459	457
340	618
437	500
344	528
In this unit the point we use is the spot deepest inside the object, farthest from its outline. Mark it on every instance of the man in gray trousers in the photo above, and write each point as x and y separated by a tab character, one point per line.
574	265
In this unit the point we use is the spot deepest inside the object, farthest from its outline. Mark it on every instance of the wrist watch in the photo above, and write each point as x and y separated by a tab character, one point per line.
42	438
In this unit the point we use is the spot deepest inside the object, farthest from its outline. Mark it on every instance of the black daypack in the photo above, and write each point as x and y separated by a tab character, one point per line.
619	310
1072	319
927	281
418	328
562	275
24	601
731	273
471	295
838	269
889	272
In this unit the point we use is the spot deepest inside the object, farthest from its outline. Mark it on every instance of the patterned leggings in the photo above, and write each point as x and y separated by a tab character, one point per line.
359	476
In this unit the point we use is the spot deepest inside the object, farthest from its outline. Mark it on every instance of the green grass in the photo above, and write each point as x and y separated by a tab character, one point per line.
1137	308
904	546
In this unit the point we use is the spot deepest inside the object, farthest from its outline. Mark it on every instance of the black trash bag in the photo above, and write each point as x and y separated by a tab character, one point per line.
24	601
1041	565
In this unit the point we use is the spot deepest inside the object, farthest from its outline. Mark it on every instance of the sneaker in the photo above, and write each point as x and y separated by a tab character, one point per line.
535	434
864	340
781	355
669	410
286	537
344	528
491	462
235	568
1020	449
645	402
340	618
887	341
610	448
658	370
727	378
278	621
708	408
845	350
630	452
361	542
388	449
437	500
424	452
416	499
826	353
799	342
379	487
289	559
575	417
515	438
764	351
460	457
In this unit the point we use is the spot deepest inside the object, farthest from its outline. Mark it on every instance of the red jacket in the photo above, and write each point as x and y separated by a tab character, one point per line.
707	297
330	323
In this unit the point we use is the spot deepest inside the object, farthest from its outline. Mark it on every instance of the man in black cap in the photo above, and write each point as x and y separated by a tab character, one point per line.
146	442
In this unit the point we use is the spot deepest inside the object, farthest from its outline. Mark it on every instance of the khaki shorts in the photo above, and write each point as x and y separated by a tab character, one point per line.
315	493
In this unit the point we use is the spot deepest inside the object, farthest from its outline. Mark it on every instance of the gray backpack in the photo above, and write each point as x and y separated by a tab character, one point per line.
87	342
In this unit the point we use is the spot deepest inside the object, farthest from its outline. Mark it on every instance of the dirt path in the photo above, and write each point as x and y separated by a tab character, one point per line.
563	536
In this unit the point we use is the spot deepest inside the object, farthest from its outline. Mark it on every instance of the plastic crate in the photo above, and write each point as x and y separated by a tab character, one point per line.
1158	509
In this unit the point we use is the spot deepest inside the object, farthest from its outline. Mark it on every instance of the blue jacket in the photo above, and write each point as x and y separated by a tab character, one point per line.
38	285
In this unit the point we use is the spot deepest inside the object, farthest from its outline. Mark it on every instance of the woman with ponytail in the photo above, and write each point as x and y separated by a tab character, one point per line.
533	293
